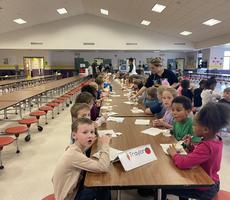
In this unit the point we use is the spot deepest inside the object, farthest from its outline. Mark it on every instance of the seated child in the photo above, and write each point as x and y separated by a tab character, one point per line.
95	110
67	179
182	124
168	95
158	109
185	84
151	97
197	93
226	96
208	122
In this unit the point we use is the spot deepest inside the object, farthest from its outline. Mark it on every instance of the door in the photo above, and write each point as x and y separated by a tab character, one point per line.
33	66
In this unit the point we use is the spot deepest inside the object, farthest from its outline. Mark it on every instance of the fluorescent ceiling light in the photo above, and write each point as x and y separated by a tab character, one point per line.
186	33
104	12
19	21
211	22
145	22
158	8
62	11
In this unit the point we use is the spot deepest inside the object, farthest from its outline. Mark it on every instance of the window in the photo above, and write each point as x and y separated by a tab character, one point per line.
226	60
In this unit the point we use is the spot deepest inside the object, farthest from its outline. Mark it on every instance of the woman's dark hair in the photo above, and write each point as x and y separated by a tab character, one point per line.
84	97
185	84
185	101
131	59
90	89
211	81
202	82
214	116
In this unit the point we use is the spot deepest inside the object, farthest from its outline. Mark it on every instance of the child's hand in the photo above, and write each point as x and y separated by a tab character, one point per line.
98	103
105	115
96	124
104	139
156	122
172	151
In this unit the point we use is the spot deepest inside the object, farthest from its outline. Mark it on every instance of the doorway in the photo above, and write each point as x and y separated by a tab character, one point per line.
33	66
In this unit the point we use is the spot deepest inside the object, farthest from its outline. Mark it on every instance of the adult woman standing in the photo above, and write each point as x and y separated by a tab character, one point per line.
158	76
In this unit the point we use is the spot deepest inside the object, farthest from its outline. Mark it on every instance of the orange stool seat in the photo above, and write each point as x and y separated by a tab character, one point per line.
222	195
58	101
37	113
28	121
16	130
46	108
52	104
3	142
49	197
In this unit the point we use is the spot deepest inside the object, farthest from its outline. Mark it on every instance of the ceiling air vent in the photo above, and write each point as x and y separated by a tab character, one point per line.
36	43
88	43
131	43
180	43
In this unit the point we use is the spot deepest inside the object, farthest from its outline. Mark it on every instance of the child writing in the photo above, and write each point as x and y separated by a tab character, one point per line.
67	178
182	124
158	109
151	97
208	122
168	95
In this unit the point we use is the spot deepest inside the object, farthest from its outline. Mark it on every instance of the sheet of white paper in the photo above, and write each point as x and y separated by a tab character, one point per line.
152	131
106	132
116	119
108	100
111	113
107	107
137	111
115	95
113	154
178	147
165	147
166	133
129	102
142	121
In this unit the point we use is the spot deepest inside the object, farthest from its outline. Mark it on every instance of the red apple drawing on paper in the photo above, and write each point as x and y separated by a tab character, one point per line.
147	150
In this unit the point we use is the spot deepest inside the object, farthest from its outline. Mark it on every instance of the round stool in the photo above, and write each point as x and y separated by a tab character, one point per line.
4	141
28	122
49	197
59	101
16	130
53	105
38	114
46	109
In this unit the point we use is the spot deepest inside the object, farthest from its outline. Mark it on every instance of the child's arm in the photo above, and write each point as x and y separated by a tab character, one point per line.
81	161
200	154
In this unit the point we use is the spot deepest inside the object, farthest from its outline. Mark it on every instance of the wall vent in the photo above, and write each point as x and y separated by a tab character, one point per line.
88	43
36	43
180	43
131	43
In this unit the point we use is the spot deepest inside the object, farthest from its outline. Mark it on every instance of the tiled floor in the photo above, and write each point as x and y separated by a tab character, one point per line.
27	176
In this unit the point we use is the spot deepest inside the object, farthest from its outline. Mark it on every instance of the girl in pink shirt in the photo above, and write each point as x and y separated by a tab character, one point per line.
208	153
